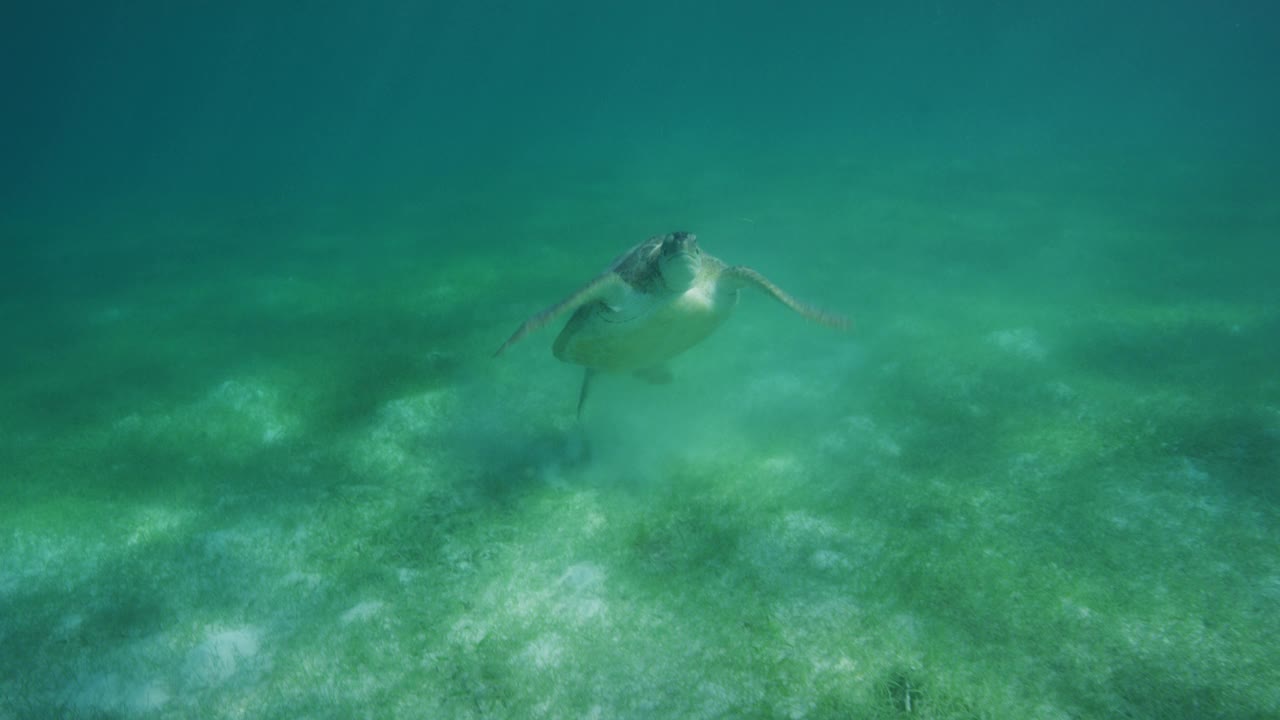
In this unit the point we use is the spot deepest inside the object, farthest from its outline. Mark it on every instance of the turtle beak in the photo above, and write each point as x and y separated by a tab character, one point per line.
680	268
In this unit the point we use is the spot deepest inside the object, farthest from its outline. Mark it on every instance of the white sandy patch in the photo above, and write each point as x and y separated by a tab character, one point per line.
801	547
1022	342
152	523
399	437
545	652
112	693
468	632
575	597
829	560
860	434
254	405
239	416
579	599
221	655
781	388
361	612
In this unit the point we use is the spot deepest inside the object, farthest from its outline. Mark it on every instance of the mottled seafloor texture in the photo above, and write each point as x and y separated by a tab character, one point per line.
256	459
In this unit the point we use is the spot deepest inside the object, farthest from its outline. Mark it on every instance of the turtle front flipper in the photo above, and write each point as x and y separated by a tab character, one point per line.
740	276
602	286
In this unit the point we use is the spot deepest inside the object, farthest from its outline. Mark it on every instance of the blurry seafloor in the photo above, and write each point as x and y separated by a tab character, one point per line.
259	462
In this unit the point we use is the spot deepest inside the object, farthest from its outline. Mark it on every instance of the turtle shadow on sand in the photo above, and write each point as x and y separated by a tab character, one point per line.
652	303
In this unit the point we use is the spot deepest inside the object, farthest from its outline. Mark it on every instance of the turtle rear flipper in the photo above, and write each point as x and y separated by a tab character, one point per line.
587	375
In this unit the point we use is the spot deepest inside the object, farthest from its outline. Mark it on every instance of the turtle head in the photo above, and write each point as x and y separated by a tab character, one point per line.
680	260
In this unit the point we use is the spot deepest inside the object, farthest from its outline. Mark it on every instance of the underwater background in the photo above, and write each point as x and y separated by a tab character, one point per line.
257	459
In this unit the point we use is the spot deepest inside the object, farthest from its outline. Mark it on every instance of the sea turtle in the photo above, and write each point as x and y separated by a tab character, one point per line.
652	303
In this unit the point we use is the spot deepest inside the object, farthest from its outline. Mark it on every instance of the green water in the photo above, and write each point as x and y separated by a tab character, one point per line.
256	459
